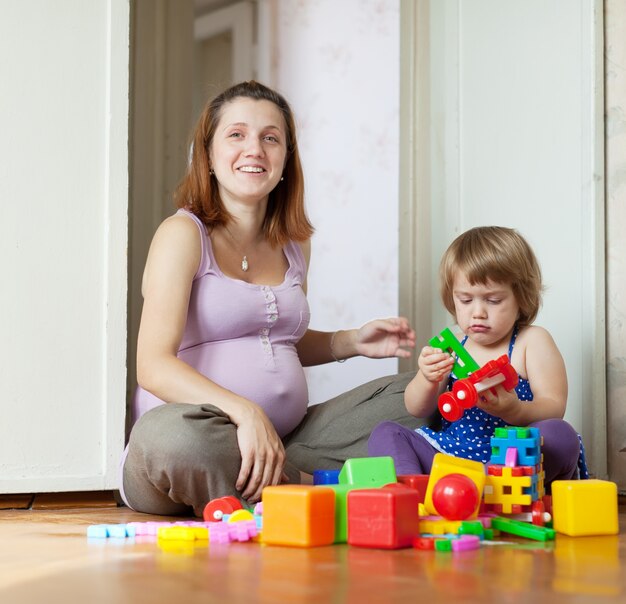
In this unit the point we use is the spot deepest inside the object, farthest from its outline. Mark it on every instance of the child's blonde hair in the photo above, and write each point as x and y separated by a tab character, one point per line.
497	254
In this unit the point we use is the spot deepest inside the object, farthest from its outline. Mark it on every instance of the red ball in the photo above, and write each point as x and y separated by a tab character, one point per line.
455	497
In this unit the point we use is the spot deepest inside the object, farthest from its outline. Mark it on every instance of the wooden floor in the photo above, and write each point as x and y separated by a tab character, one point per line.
45	557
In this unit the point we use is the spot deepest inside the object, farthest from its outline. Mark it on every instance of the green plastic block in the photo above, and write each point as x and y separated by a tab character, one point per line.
522	529
464	363
469	527
443	545
341	510
368	472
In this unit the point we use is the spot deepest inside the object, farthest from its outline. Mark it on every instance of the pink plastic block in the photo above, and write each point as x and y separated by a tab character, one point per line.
510	459
466	543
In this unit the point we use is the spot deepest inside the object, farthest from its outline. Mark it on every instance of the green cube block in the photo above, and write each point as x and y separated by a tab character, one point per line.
368	472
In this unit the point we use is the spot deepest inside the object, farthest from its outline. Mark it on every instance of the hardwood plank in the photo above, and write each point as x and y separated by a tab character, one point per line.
46	557
86	499
15	502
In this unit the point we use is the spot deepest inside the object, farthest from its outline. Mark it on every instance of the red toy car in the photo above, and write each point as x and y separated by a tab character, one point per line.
465	392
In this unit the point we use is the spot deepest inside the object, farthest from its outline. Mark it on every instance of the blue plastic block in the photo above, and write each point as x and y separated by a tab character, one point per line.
325	477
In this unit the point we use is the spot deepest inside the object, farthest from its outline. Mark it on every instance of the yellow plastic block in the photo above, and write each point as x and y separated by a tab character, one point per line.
298	515
585	507
184	533
439	526
447	464
507	490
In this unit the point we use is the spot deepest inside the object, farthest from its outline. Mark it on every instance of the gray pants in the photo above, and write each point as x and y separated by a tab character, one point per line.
181	456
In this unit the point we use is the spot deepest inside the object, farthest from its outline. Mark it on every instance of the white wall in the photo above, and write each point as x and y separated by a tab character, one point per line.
63	186
517	140
337	63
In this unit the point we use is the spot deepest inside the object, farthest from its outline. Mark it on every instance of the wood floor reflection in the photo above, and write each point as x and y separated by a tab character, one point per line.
45	556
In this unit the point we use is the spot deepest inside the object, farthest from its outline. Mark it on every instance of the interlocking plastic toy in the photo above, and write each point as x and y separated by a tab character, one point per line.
464	394
464	363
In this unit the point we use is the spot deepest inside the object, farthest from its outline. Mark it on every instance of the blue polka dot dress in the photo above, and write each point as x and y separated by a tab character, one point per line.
470	436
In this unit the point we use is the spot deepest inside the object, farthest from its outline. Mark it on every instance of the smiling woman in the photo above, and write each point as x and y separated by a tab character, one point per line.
224	332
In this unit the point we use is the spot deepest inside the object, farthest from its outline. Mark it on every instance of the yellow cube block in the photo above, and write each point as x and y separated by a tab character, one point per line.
585	507
298	515
447	464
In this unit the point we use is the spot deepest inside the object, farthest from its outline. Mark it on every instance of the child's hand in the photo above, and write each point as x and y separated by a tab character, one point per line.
499	402
435	364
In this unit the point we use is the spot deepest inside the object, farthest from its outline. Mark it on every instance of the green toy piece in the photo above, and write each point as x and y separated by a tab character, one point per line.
523	529
443	545
368	472
464	363
341	510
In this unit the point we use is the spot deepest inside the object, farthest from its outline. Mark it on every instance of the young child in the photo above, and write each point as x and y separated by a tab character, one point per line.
491	284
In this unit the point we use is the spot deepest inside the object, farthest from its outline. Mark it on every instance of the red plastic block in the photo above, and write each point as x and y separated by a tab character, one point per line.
383	518
419	482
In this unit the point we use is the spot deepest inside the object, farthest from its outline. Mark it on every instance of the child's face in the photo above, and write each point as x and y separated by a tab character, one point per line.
485	312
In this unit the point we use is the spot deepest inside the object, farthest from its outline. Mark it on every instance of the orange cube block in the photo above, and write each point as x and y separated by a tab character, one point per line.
298	515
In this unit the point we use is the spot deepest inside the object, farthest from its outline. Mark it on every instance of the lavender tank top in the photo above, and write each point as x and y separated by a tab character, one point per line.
243	337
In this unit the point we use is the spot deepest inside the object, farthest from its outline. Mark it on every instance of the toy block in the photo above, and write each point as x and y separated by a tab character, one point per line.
510	459
508	490
383	518
325	477
472	528
443	545
585	507
436	525
464	363
185	533
447	464
527	441
115	531
148	529
523	529
466	543
298	515
368	472
496	470
244	531
98	531
426	543
419	482
341	510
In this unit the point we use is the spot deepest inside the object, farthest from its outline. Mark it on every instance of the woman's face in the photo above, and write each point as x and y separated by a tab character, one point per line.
249	150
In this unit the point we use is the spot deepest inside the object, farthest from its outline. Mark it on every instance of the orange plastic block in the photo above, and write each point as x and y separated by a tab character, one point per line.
447	464
298	515
585	507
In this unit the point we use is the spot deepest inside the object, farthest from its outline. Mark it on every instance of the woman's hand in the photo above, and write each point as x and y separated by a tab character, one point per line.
435	364
262	452
384	338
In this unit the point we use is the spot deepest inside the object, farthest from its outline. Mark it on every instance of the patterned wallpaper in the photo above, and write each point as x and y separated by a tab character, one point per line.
338	65
615	103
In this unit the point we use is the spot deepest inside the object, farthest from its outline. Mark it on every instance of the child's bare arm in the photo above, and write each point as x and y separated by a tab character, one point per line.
546	373
420	396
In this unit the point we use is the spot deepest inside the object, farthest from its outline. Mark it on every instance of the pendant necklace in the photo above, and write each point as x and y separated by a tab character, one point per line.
244	260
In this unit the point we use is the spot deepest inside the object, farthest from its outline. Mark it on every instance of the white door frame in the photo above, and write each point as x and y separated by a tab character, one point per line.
239	19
